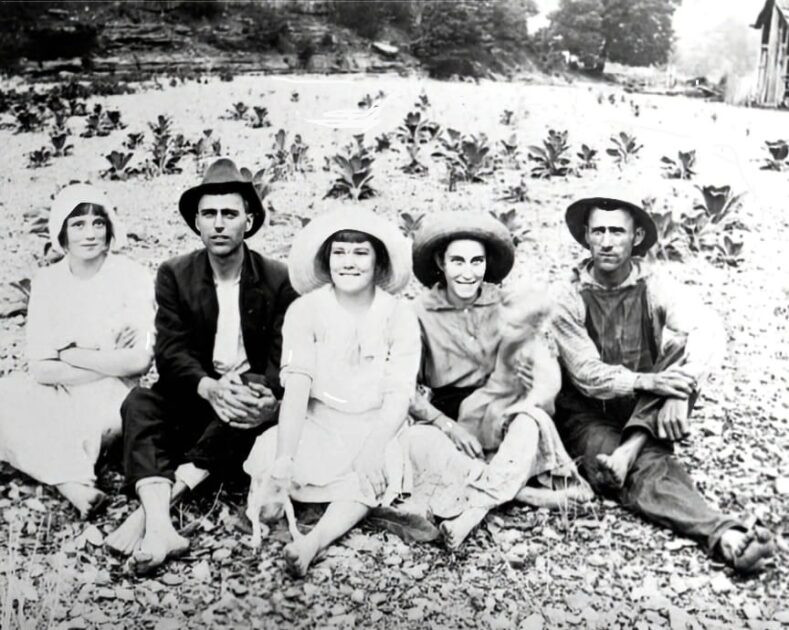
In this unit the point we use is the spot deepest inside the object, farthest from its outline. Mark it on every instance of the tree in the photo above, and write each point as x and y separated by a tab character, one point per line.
632	32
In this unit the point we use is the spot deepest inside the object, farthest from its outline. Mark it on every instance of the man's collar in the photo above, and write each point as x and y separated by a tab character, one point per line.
582	274
436	299
249	272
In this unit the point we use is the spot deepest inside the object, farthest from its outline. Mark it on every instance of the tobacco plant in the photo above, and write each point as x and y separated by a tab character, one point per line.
551	159
60	146
671	239
29	118
779	151
518	193
353	171
166	149
509	218
711	217
729	250
383	142
39	158
414	166
625	148
238	111
286	160
410	223
118	169
261	117
133	140
506	117
587	157
416	129
682	167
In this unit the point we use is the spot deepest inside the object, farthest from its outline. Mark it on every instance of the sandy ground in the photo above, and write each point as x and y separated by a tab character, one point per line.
611	568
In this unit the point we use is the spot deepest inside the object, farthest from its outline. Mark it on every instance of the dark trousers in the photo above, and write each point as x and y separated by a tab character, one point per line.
161	432
658	487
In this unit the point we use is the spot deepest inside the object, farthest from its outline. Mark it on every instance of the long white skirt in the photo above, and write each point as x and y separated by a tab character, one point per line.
55	434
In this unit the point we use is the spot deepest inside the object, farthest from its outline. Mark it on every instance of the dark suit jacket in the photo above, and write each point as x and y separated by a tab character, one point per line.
187	314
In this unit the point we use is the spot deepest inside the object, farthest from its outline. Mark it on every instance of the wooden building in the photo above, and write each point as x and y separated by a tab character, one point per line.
773	85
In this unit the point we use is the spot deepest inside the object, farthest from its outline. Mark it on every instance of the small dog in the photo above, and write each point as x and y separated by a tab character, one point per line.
267	500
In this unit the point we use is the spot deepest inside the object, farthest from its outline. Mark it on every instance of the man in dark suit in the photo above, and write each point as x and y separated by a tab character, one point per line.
218	345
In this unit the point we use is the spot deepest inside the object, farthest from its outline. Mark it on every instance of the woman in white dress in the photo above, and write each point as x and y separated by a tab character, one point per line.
349	362
89	331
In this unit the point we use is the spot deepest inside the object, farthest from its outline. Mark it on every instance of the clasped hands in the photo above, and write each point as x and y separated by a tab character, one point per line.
242	406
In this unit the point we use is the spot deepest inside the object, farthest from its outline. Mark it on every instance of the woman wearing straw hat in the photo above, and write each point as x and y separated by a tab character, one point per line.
89	329
461	257
349	361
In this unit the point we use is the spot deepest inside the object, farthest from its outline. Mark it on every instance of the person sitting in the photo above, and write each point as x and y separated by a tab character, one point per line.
636	347
349	363
461	257
89	336
218	342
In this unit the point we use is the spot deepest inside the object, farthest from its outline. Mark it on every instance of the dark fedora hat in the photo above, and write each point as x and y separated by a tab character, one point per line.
578	213
221	178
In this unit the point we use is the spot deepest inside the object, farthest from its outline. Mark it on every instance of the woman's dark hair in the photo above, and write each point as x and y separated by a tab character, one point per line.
354	236
441	250
84	209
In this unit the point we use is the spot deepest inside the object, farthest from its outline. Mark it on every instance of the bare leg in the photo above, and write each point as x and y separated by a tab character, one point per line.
160	540
338	518
86	498
614	468
128	535
506	474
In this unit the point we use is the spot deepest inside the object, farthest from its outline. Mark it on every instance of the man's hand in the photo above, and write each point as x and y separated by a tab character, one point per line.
674	382
524	370
126	338
237	404
370	466
672	421
460	436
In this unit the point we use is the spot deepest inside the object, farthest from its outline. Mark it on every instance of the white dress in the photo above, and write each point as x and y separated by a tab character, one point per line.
353	364
55	433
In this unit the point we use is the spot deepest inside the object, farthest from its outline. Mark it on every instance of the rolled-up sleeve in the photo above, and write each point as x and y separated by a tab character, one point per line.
298	342
579	355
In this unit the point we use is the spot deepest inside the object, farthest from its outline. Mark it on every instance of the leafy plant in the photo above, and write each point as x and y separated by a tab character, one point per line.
354	173
410	223
261	117
286	160
383	143
59	144
422	102
28	119
518	193
506	117
625	148
414	166
166	149
509	218
118	165
99	123
711	216
77	107
587	157
682	167
113	118
510	146
779	151
133	140
729	250
467	158
238	111
551	159
366	102
415	129
671	239
39	158
294	97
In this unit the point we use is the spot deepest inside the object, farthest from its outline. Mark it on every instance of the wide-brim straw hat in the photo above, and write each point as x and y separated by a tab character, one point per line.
221	178
306	270
69	198
439	229
578	211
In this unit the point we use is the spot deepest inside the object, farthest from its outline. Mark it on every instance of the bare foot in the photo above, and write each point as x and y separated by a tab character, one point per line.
612	469
87	499
299	555
744	550
573	494
456	530
127	537
156	547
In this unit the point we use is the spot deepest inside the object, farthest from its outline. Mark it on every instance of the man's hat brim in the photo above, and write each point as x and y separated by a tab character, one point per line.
578	212
189	200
